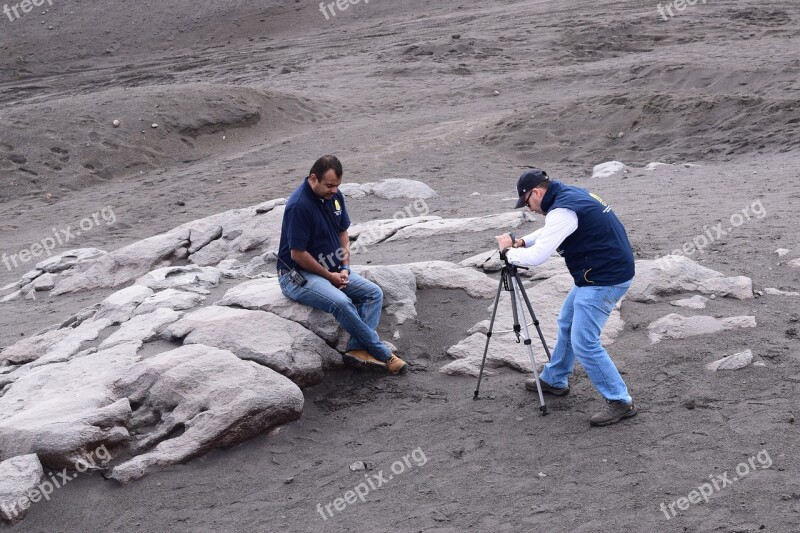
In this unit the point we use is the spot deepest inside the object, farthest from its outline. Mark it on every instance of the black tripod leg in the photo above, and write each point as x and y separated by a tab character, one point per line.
489	336
533	315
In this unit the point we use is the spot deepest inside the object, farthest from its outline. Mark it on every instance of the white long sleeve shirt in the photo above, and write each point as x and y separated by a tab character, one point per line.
559	224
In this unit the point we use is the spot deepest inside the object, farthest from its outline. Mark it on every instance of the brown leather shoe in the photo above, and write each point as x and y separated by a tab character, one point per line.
395	365
362	358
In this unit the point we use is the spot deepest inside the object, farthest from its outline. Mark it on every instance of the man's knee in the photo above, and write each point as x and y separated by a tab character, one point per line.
372	290
583	343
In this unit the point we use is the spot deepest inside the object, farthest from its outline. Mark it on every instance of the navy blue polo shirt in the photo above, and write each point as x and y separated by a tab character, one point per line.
313	224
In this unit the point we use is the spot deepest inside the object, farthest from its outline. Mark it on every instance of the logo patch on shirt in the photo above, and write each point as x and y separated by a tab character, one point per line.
602	202
338	206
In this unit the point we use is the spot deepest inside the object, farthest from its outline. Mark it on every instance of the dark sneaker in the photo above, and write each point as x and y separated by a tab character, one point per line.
530	384
363	359
615	411
395	365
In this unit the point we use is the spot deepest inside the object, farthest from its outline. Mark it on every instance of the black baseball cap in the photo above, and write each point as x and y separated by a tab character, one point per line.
529	179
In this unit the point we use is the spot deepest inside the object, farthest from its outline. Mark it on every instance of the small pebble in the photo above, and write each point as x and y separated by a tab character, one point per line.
358	465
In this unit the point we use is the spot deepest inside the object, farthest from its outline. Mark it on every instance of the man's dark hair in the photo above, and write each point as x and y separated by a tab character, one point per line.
544	184
324	164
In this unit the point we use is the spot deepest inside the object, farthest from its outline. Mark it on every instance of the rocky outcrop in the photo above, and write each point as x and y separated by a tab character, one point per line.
675	326
64	410
390	189
674	274
265	295
216	398
19	477
277	343
432	228
736	361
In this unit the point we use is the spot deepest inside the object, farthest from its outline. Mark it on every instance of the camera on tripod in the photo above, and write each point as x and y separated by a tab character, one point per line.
511	282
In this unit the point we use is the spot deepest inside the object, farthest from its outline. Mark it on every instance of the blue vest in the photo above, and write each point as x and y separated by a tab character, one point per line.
598	252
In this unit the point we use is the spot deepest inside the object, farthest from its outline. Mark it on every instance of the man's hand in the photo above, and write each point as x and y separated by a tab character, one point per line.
504	241
339	279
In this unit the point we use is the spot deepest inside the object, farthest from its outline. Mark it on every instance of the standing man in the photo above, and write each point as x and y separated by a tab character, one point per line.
593	242
315	243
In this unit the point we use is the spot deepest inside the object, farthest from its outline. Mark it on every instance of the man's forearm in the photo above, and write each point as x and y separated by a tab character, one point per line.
344	240
308	263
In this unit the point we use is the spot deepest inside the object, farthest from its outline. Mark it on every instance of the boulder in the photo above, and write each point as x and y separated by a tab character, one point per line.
445	275
433	228
465	367
126	264
260	336
213	396
376	231
608	169
732	362
192	278
399	286
695	302
52	346
353	190
674	274
45	282
169	299
392	189
120	306
200	235
19	477
778	292
67	260
142	328
62	411
675	326
265	295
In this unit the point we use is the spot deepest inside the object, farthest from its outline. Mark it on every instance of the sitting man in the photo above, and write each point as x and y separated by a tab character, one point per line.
315	243
584	229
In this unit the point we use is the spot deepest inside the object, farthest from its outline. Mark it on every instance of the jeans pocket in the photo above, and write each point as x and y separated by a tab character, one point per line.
610	299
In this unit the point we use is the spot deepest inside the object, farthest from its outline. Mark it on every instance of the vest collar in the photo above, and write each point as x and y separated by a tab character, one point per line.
550	195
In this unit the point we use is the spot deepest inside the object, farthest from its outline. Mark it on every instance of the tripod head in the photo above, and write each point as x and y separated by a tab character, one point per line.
508	267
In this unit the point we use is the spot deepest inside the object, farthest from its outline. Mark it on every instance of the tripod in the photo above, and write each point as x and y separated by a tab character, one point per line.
510	281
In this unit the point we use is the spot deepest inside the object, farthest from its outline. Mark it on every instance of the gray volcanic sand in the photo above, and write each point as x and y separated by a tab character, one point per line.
246	95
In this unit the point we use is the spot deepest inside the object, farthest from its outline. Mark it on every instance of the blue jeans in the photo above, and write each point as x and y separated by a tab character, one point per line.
357	308
580	322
